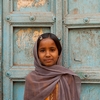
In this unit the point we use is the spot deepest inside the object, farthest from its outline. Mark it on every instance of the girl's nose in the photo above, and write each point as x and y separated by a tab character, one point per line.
47	53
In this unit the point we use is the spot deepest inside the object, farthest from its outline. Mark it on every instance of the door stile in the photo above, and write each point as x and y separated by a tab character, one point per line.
1	79
59	18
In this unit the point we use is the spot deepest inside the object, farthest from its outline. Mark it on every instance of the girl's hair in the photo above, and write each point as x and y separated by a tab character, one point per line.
51	36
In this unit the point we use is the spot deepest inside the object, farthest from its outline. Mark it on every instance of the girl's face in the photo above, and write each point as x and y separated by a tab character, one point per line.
48	52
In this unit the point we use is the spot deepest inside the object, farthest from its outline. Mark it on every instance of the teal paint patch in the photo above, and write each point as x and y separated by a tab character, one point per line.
90	91
18	91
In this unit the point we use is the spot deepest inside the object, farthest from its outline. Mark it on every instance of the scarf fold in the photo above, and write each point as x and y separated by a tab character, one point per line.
41	82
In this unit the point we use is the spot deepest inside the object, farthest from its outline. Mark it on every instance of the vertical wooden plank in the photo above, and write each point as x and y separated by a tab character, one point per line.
0	65
59	18
6	54
0	50
65	48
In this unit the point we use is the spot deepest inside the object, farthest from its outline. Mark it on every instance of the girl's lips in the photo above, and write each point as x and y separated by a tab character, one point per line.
48	60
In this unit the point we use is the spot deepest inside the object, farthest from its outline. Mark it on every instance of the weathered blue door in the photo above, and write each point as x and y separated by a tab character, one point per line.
24	21
81	43
76	22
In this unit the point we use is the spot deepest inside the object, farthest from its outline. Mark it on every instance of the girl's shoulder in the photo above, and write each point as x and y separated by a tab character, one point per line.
30	75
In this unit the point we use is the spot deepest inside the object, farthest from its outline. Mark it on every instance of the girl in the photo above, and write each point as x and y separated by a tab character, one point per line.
50	80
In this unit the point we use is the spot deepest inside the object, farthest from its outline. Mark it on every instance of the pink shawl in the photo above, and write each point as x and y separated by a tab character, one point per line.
42	81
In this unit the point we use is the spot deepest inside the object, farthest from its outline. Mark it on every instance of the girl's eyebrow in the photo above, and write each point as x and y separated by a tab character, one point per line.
45	48
42	48
52	47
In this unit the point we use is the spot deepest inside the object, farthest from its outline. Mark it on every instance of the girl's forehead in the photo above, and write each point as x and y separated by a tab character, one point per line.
46	42
46	39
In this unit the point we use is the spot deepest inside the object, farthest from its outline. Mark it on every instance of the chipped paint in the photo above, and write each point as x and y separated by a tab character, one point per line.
75	11
40	2
26	38
24	3
75	0
30	3
36	34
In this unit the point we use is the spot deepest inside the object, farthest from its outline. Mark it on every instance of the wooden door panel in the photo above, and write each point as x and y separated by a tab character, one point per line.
18	90
83	19
31	10
82	43
24	39
21	44
31	18
23	22
82	37
81	12
81	51
86	6
32	5
84	48
90	91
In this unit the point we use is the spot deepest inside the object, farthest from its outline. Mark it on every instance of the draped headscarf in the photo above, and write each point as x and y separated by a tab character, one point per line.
41	82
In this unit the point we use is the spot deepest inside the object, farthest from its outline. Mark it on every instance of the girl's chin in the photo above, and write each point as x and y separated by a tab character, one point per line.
48	65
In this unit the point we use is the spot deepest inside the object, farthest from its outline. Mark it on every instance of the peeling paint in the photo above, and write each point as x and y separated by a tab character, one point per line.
84	48
75	0
30	3
75	11
40	2
36	34
26	38
24	3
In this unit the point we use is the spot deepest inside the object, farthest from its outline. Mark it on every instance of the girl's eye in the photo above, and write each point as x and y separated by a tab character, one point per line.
52	50
42	50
